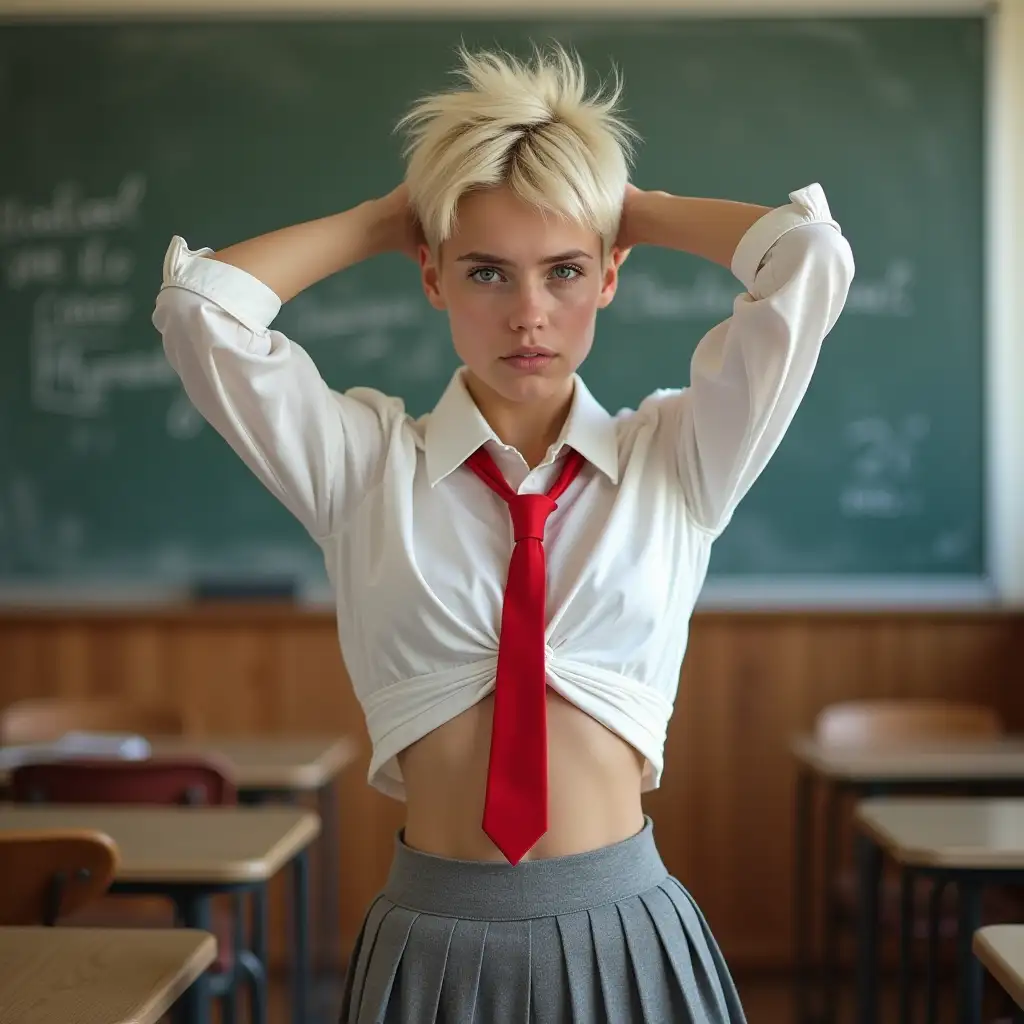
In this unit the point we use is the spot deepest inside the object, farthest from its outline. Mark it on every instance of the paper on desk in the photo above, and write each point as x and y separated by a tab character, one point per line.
77	744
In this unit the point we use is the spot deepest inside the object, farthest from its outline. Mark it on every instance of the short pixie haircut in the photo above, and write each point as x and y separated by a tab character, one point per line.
529	125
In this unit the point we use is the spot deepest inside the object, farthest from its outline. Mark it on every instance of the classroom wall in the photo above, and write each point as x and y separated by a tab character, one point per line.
751	679
724	812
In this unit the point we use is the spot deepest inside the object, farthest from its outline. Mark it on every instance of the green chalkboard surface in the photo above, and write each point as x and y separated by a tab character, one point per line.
117	136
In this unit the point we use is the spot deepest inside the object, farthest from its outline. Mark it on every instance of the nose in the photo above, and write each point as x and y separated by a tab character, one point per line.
529	313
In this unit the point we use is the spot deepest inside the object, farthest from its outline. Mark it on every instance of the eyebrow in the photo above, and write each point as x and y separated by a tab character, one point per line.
486	257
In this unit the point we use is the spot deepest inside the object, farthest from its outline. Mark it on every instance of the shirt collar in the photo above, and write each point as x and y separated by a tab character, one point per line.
456	429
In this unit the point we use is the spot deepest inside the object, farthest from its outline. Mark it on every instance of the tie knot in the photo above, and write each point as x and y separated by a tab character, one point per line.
529	514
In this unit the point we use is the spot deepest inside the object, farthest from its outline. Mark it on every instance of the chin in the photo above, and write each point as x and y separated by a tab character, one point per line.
531	387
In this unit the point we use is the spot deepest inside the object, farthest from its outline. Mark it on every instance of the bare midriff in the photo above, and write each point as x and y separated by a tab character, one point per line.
594	783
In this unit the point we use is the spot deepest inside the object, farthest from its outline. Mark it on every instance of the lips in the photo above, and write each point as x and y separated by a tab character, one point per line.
529	359
527	352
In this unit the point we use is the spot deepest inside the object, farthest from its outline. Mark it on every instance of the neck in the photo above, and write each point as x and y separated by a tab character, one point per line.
529	427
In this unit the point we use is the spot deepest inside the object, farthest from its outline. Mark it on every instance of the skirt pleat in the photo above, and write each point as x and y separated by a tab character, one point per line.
461	982
429	943
549	987
614	967
486	945
356	974
580	964
717	991
384	960
649	963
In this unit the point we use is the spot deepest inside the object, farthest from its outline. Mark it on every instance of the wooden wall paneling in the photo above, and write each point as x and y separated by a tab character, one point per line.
723	815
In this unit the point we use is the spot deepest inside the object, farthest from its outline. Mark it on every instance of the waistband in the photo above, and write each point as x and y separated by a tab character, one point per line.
496	891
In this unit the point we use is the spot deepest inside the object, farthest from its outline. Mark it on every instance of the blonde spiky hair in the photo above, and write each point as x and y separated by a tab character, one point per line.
530	126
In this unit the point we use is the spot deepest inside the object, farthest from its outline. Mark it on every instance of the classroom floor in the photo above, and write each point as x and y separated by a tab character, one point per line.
766	1000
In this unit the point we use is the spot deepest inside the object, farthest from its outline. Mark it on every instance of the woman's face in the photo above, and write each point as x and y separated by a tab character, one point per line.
522	289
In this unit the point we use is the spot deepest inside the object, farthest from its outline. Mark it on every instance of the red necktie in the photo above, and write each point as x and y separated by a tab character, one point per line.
516	802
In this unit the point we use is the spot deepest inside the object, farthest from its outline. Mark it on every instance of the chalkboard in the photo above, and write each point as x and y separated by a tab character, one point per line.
117	136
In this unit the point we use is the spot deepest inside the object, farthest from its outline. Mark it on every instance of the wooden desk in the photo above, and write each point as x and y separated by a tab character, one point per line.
1000	948
97	975
940	832
949	761
970	842
182	845
264	763
281	763
268	768
190	854
987	767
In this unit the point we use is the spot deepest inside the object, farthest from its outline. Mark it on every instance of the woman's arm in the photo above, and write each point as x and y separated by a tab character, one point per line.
749	373
315	449
709	228
291	259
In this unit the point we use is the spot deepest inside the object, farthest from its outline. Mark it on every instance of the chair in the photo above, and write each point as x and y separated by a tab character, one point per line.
50	873
196	781
45	719
880	724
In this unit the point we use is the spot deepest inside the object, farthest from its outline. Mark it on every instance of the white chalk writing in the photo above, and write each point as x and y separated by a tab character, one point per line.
34	265
69	212
62	251
888	296
348	316
710	295
183	419
881	483
66	379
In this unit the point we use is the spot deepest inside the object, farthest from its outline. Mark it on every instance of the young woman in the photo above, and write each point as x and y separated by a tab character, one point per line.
515	571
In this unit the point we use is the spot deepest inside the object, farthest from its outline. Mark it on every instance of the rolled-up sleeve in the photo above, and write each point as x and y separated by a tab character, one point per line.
312	447
749	373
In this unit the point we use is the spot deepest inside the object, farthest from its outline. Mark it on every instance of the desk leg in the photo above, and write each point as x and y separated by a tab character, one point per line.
906	945
300	919
195	1005
932	972
802	892
330	901
869	876
260	928
970	976
830	868
257	964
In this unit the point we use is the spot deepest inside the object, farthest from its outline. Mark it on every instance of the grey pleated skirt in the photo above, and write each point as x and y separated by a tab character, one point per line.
606	937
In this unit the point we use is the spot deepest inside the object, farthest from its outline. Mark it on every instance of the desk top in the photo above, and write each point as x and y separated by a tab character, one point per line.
270	762
215	845
948	760
294	763
97	975
1000	947
946	832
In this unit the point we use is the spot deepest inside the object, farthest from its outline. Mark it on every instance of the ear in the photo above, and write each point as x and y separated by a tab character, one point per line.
430	275
610	280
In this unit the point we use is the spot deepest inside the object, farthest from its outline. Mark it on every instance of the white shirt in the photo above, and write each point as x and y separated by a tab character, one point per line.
417	548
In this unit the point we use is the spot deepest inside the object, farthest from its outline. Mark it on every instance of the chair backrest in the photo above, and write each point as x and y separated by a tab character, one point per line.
881	722
45	719
161	780
50	873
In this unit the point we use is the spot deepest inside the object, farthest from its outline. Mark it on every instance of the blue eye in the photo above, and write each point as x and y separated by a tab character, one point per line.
573	272
476	272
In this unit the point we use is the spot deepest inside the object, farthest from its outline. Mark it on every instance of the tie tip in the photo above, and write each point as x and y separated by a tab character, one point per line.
513	848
